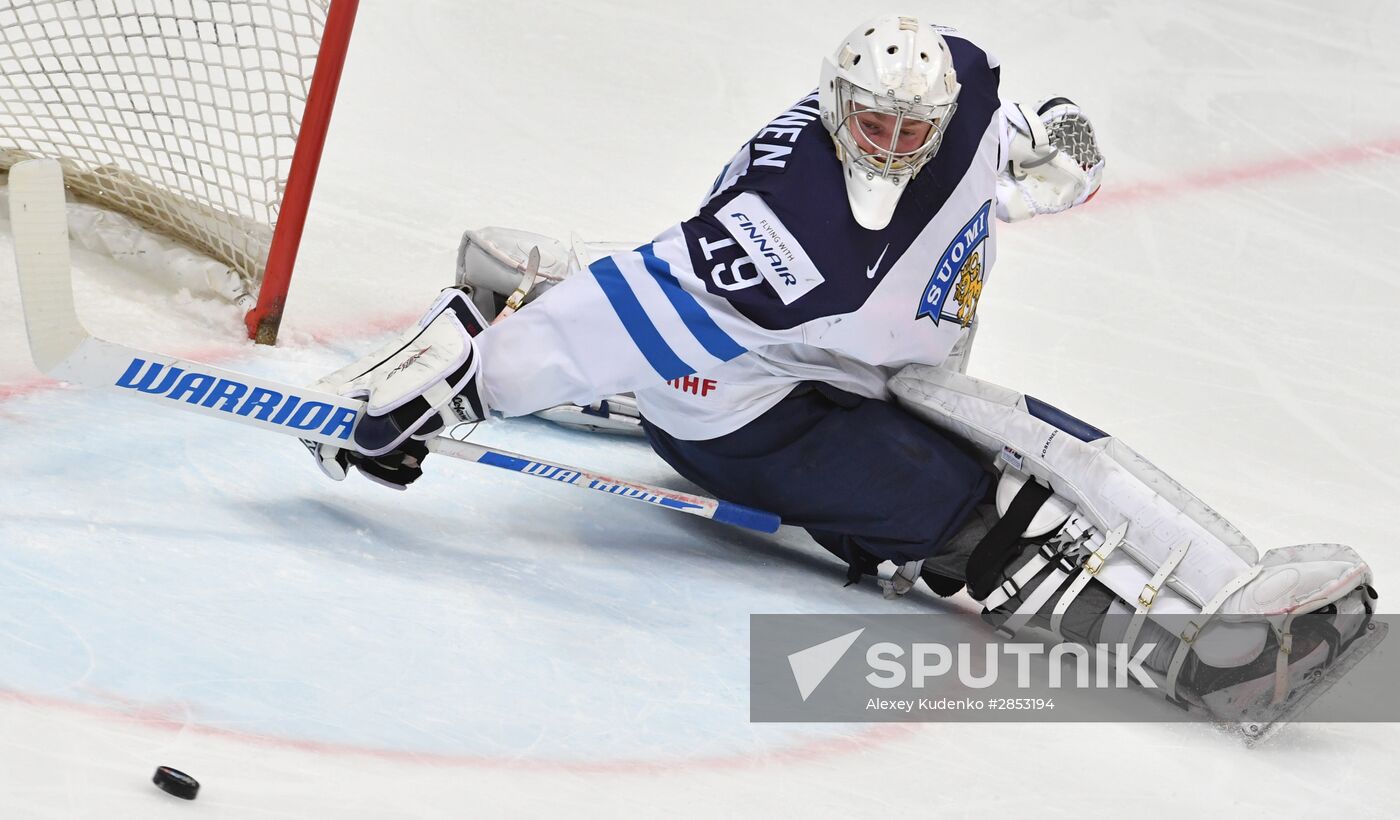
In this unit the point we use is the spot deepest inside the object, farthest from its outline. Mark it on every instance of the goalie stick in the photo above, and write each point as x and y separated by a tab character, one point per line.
63	349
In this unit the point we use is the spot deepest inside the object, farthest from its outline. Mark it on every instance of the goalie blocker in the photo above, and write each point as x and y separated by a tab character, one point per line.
1088	529
415	386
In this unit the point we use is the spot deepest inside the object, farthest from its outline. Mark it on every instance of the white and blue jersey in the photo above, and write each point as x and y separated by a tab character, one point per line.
772	283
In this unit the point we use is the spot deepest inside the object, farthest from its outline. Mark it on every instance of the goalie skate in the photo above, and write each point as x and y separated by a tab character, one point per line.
1262	725
1249	684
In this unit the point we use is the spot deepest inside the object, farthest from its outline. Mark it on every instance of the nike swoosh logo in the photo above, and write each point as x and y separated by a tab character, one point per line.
870	271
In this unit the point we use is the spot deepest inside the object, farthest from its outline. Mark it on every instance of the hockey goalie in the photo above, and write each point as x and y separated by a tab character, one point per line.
799	344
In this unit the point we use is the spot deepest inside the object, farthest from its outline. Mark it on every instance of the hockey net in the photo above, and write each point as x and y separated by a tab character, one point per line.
183	115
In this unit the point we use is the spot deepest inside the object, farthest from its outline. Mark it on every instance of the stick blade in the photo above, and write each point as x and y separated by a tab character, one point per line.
38	214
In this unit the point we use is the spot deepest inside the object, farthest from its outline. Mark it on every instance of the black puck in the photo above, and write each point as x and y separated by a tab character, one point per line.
176	782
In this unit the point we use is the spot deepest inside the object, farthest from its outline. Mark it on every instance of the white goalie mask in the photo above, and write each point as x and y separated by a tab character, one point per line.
886	97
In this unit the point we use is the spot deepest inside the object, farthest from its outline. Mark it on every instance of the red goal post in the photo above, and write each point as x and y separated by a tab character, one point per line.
200	120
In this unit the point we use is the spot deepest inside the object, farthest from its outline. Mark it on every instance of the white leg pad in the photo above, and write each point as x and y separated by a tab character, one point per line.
1108	482
1155	546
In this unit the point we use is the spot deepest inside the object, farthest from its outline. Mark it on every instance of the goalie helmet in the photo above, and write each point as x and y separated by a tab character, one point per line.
886	97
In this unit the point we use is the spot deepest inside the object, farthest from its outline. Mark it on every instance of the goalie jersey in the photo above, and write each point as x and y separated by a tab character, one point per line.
772	283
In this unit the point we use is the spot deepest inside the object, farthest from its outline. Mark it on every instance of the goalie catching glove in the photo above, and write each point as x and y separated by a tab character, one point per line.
1054	162
414	387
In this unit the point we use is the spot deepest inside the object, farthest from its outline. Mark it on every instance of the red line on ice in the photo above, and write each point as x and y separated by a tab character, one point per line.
348	331
152	717
1334	157
16	389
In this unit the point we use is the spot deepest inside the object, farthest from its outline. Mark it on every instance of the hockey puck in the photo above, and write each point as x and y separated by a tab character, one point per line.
176	782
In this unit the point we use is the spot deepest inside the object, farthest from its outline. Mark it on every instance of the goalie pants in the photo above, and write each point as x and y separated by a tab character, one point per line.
867	480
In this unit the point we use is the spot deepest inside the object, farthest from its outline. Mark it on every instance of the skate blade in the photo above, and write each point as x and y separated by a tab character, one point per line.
1255	732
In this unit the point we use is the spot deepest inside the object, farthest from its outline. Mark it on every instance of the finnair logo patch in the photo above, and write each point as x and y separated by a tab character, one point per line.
959	273
238	399
776	254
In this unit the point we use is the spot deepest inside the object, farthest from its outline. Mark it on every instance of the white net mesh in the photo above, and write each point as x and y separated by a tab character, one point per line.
181	113
1074	134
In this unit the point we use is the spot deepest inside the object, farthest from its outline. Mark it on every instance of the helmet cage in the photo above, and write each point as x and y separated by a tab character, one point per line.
886	162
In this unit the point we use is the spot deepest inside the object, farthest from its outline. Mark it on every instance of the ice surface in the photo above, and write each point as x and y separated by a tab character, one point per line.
176	590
